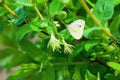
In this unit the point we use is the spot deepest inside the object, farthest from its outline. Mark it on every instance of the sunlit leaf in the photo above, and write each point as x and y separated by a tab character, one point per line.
114	65
90	76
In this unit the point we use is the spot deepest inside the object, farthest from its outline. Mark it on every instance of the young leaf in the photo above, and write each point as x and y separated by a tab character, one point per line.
77	75
114	65
22	17
90	76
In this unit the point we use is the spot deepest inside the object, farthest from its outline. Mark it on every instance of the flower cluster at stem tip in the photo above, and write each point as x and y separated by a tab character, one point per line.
55	44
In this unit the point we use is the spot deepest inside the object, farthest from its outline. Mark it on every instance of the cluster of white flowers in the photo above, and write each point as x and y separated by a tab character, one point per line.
55	44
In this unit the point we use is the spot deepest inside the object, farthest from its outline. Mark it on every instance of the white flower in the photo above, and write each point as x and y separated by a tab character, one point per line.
67	47
56	24
54	43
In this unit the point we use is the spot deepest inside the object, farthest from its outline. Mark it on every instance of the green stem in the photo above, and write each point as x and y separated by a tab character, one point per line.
10	11
67	63
90	3
51	20
36	9
96	20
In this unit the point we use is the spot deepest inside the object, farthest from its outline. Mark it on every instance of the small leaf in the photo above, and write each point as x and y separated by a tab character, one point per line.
90	76
89	44
76	75
98	76
114	65
22	17
88	32
66	73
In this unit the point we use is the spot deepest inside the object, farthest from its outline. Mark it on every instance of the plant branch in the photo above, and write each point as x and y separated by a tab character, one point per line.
79	63
52	23
100	62
10	11
38	12
67	63
96	20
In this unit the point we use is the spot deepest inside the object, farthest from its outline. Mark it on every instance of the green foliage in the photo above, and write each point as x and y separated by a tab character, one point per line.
114	65
104	10
43	49
23	2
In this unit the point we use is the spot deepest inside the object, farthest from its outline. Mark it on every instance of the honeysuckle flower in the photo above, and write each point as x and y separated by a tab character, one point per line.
54	43
67	47
56	24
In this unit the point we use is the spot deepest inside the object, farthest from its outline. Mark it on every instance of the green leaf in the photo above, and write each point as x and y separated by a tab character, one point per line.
42	1
116	2
77	50
29	66
55	7
24	2
25	71
89	44
2	11
30	49
98	76
49	74
65	72
18	10
18	59
11	57
90	76
114	65
104	10
115	25
22	17
88	32
27	28
76	75
112	77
